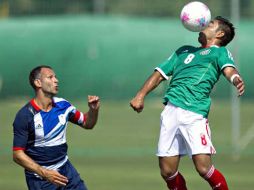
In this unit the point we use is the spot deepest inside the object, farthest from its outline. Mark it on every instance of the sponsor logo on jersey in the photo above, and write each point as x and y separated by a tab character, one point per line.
38	126
205	52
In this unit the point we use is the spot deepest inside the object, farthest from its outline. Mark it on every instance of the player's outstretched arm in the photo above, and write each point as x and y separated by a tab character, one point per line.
234	77
137	103
92	114
21	158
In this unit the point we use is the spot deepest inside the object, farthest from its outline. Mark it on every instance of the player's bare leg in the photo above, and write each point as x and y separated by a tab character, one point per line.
205	168
169	172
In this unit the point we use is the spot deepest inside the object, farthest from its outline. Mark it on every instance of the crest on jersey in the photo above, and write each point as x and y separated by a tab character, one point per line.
62	119
205	52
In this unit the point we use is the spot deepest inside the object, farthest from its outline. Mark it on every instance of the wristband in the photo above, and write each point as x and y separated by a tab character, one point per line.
233	77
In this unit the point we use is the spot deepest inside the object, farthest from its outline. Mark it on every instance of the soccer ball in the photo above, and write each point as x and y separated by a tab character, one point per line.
195	16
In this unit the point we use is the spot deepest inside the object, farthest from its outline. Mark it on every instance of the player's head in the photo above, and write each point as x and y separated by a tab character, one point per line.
227	27
219	32
43	78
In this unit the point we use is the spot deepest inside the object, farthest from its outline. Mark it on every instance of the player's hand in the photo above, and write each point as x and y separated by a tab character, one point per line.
54	177
239	84
137	104
93	102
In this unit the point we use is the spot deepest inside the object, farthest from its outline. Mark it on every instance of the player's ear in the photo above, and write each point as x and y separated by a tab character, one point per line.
37	83
220	34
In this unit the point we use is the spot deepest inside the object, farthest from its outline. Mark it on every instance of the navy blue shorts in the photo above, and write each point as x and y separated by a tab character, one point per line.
74	180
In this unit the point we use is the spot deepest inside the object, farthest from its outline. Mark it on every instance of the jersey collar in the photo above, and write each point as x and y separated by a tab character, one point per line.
215	46
210	46
37	108
32	102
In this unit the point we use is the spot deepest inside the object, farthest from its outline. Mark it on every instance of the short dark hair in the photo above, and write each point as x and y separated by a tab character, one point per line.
226	26
34	74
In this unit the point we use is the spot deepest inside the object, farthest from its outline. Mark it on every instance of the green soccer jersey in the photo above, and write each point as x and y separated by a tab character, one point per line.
194	71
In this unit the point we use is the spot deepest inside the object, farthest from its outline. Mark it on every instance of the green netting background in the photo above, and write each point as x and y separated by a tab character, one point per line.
108	56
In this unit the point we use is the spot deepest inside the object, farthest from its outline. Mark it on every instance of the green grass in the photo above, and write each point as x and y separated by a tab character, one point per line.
119	154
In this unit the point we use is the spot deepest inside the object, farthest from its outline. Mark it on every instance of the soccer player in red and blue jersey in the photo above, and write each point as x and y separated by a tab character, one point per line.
184	124
39	143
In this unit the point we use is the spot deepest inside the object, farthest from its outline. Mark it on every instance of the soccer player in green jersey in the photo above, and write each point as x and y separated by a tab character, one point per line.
184	125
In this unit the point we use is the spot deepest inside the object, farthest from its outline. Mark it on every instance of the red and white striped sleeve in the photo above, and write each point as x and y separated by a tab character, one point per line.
78	117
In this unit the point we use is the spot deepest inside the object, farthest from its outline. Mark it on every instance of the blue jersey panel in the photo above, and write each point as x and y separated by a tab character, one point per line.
47	156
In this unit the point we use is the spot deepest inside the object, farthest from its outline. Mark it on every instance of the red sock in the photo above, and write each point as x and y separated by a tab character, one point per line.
176	182
216	179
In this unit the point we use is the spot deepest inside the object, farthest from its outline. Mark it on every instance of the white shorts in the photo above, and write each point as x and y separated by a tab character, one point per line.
183	132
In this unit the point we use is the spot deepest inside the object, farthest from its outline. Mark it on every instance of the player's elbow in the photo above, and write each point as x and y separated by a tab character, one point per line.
90	123
17	157
89	126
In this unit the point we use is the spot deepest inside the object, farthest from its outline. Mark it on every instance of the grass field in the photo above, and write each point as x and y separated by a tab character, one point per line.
119	154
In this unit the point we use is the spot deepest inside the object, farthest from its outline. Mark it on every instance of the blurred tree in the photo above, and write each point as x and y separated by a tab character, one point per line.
143	7
247	7
151	8
99	6
4	8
